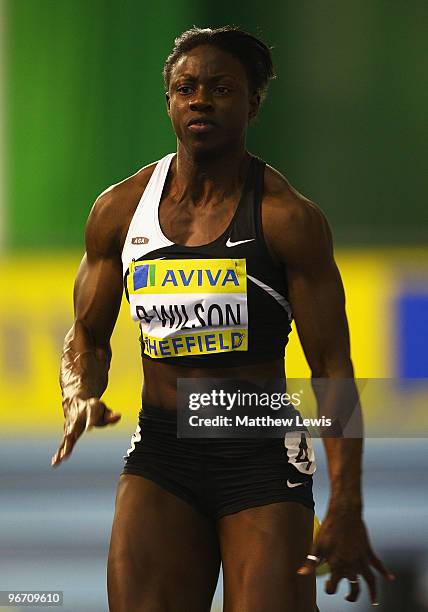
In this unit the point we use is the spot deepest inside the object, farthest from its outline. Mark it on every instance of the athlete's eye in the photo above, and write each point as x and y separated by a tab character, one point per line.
222	90
184	89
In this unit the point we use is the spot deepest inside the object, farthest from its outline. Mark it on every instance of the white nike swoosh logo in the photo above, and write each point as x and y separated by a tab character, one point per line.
229	243
294	484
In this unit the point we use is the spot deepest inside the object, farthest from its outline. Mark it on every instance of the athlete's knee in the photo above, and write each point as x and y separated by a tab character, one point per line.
130	586
256	588
125	558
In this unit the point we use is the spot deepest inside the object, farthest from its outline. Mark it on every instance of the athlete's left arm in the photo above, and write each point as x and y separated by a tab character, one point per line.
300	238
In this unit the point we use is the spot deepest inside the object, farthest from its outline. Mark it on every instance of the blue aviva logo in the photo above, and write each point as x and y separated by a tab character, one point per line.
144	275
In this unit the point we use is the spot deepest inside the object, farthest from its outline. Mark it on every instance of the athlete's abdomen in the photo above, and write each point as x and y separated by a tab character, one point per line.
160	379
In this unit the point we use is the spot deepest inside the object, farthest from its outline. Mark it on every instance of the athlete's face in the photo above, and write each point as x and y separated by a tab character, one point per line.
209	100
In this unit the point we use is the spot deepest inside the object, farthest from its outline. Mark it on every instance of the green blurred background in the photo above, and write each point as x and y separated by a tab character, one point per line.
344	121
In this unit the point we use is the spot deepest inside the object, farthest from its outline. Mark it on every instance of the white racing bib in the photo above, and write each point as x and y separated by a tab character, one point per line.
189	306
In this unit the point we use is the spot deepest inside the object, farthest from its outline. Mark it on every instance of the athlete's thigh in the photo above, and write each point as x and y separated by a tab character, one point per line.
164	554
261	549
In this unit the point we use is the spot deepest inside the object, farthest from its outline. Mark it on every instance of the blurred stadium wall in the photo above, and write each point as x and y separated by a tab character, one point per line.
83	107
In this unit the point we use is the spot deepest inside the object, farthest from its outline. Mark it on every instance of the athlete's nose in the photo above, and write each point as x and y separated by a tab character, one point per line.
201	100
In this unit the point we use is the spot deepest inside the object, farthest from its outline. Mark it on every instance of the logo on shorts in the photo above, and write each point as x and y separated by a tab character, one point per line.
291	485
139	240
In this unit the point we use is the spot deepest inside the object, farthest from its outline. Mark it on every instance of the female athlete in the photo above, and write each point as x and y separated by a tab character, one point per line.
217	253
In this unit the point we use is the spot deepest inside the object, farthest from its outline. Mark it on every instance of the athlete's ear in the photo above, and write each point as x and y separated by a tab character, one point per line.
254	105
167	103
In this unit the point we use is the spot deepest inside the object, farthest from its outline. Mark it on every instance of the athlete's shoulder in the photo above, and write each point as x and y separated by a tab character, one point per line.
120	196
113	209
292	223
285	203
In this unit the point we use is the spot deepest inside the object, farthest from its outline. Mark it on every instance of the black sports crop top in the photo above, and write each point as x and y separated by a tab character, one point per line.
218	305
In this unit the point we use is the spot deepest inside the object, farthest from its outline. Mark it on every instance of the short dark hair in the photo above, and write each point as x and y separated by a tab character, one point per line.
252	52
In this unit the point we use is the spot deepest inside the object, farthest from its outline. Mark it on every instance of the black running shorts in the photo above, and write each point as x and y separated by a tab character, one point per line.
218	476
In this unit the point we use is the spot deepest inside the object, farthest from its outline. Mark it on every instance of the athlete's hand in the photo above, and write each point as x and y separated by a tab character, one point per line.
81	415
343	541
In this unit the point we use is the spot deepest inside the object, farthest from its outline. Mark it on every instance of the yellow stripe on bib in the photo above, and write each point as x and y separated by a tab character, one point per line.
196	343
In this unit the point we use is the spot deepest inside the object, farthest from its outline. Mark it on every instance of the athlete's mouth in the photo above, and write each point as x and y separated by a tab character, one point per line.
200	125
200	120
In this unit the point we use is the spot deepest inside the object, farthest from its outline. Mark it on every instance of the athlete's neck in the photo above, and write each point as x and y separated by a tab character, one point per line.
203	181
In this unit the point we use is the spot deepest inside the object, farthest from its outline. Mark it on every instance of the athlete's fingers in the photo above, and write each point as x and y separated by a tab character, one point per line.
332	582
312	561
379	566
94	413
55	458
63	450
98	415
371	583
111	417
70	441
73	433
354	588
58	455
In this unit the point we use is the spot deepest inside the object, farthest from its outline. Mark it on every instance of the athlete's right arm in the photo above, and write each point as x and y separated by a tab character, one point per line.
86	355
